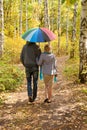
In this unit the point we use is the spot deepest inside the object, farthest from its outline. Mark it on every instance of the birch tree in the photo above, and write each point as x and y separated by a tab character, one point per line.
46	16
16	21
74	31
59	21
67	26
83	43
52	18
20	18
74	22
1	28
26	14
33	1
68	3
39	1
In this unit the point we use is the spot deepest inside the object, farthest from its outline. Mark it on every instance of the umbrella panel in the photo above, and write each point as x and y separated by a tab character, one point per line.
38	35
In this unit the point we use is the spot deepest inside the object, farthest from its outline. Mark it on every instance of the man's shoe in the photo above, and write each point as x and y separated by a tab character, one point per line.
30	99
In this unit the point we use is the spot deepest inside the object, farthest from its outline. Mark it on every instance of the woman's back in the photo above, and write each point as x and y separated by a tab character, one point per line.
47	60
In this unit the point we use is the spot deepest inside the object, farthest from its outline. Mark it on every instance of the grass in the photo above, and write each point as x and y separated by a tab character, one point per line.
11	76
71	69
84	90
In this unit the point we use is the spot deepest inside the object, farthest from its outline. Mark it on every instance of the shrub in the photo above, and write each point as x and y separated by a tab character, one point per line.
11	77
12	49
71	69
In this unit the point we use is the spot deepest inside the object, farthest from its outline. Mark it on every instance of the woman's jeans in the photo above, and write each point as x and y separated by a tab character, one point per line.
32	81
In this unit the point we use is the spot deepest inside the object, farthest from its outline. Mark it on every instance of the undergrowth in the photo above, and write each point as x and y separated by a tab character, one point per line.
71	69
11	76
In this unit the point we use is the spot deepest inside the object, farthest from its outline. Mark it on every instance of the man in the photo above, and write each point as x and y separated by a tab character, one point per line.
28	57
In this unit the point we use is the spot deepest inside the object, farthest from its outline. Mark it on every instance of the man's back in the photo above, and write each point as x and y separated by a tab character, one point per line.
29	53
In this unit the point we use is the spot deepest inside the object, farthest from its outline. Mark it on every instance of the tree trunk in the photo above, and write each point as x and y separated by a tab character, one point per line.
20	18
39	1
46	16
52	18
83	43
67	28
26	15
15	31
72	52
59	26
33	1
1	28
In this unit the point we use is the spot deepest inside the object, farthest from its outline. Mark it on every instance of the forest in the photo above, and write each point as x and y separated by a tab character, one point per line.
67	19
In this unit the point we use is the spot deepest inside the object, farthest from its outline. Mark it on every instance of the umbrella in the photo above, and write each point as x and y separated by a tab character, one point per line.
38	35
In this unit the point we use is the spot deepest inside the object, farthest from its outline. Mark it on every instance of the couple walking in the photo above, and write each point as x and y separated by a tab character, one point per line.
31	57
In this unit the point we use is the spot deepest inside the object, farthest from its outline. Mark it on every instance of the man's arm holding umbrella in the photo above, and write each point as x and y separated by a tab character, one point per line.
38	51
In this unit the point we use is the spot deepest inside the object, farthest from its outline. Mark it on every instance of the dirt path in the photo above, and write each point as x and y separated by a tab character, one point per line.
66	112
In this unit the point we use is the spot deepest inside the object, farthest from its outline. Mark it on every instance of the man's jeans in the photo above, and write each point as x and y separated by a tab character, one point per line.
32	86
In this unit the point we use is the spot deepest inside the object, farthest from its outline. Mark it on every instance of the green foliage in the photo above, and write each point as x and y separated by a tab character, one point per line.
71	69
84	90
13	44
12	49
69	1
74	48
73	1
35	18
1	100
84	69
11	77
62	1
54	45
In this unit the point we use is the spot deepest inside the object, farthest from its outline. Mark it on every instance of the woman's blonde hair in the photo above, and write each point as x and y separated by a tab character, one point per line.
47	48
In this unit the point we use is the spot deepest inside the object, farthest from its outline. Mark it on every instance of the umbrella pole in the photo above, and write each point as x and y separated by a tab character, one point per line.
39	44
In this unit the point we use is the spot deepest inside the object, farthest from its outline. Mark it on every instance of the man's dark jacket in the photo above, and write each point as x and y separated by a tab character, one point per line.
28	56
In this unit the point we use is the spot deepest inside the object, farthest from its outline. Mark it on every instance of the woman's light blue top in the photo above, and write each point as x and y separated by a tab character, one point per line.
48	63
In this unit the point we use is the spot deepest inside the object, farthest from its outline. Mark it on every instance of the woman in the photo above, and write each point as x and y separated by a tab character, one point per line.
47	61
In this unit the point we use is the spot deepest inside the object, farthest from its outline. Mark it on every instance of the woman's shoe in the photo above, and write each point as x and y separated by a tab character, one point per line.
49	101
30	99
45	100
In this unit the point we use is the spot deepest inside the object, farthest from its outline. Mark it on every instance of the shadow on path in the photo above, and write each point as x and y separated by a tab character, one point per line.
64	113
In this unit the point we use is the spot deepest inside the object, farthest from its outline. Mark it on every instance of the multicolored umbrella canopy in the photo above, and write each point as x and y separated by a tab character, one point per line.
38	35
